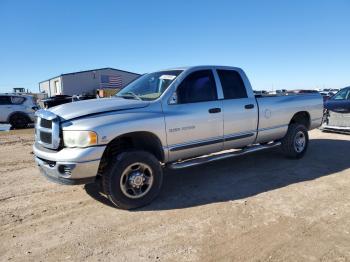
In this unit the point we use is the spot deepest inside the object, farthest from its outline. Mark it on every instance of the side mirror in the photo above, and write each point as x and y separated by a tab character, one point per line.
173	99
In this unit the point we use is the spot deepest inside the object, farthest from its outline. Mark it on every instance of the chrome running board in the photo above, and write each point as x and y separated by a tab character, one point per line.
214	157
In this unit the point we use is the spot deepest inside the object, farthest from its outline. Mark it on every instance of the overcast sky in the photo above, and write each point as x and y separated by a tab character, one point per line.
280	44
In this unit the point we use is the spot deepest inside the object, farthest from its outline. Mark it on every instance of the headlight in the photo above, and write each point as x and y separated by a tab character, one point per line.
79	138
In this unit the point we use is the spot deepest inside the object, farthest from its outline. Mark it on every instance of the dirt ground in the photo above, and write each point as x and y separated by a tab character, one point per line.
259	207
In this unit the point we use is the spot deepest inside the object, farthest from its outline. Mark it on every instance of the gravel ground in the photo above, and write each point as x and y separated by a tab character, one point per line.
259	207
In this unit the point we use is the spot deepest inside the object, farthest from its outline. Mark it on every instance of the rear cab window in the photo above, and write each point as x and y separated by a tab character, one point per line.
232	84
197	87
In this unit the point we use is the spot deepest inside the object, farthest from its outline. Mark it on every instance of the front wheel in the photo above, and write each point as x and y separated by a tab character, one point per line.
133	179
296	141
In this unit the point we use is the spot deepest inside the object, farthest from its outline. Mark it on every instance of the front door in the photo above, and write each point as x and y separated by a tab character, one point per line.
194	123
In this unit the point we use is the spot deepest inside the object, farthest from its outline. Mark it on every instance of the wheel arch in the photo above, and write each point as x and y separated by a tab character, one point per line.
141	140
301	117
19	113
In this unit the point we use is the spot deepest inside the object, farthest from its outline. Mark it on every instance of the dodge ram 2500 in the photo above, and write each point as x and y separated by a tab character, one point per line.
173	118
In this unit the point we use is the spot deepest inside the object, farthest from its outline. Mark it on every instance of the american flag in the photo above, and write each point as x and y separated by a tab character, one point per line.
111	81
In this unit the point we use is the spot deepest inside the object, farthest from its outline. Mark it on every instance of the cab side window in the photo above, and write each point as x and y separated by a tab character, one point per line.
5	100
198	86
232	84
17	100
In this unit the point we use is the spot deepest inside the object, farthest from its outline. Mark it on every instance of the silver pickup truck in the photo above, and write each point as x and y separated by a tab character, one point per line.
173	118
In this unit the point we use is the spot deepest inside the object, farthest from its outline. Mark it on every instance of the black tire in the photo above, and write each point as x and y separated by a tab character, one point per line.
289	146
19	121
115	174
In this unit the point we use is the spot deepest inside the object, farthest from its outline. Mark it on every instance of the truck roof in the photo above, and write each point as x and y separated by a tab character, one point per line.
202	67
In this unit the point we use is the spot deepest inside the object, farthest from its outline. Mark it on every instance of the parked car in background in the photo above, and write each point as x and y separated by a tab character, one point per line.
303	91
260	93
337	112
17	110
174	118
56	100
326	95
330	90
83	97
63	99
278	92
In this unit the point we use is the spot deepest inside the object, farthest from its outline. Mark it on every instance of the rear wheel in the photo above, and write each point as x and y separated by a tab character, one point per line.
133	179
296	141
19	121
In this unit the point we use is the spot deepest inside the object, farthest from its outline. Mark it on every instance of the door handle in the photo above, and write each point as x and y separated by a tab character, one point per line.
214	110
249	106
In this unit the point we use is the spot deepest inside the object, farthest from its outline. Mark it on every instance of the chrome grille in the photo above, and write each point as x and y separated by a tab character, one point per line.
46	137
45	123
47	130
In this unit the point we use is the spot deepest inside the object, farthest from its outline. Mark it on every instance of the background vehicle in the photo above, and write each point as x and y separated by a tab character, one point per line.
173	118
63	99
303	91
337	112
17	110
56	100
278	92
260	92
326	95
331	90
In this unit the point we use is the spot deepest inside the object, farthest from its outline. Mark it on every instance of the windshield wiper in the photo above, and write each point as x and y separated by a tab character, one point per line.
130	94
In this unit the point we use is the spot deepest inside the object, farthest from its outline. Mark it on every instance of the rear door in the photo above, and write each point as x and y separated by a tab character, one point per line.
240	110
194	122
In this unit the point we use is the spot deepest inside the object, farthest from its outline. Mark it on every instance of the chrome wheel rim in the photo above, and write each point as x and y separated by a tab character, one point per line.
299	141
136	180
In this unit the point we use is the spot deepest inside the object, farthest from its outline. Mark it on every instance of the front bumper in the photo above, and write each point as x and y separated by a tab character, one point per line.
336	129
69	166
336	122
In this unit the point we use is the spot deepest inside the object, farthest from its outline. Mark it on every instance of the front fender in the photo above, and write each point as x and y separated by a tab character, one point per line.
111	125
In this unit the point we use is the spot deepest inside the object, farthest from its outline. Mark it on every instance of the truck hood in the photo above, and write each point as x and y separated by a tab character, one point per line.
95	106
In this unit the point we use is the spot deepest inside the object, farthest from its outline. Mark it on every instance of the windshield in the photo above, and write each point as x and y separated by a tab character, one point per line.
149	86
342	94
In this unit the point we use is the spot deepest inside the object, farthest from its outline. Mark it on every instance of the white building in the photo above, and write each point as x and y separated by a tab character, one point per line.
86	82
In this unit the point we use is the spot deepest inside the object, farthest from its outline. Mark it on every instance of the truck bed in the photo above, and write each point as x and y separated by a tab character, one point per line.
275	112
